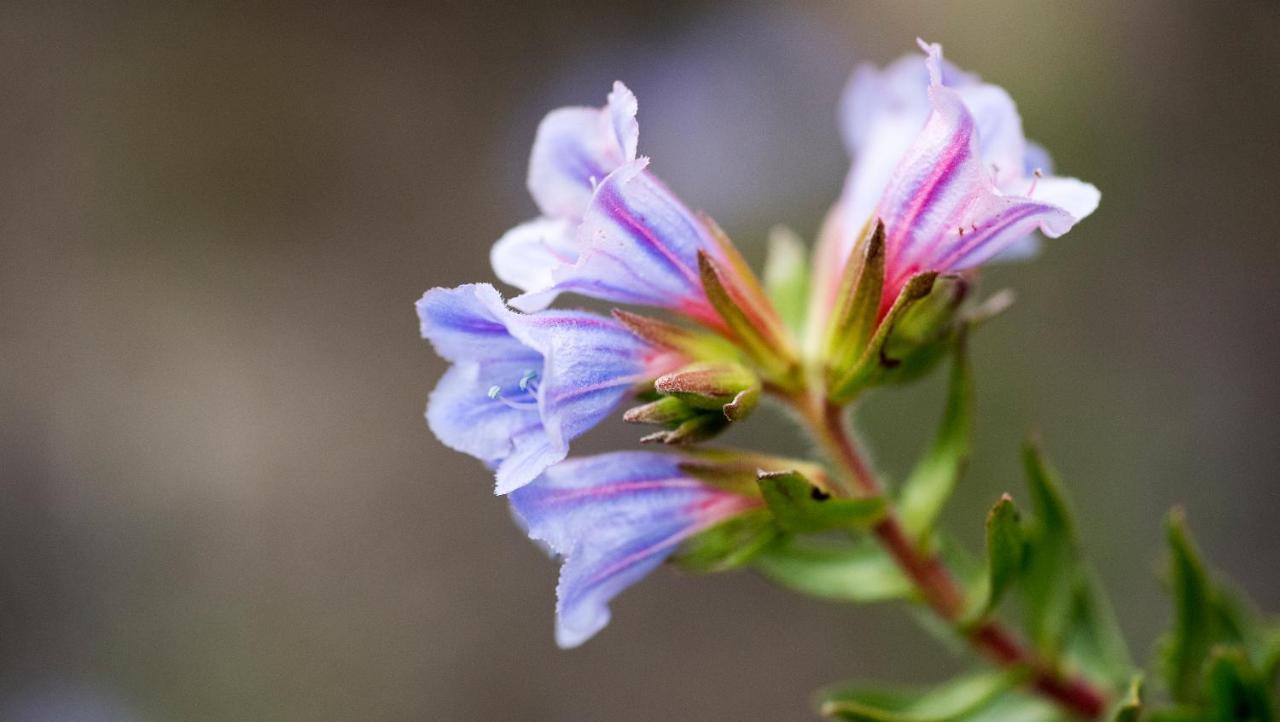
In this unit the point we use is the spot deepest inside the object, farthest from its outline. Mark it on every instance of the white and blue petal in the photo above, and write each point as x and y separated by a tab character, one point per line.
526	255
523	386
638	244
575	148
613	518
943	209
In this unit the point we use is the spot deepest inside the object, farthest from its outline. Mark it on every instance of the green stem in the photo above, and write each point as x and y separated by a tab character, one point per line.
936	585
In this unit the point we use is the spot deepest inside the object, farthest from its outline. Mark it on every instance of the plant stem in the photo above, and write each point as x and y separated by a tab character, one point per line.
934	581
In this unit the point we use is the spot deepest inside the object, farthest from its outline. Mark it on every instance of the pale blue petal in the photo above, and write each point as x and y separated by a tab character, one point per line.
467	323
523	386
526	255
639	245
575	148
614	518
590	364
463	416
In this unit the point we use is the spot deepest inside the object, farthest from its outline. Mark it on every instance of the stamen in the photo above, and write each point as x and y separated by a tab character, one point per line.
528	388
529	377
1038	175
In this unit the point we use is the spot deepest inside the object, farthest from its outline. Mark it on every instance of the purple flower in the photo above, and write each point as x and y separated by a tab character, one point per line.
940	157
613	518
610	229
524	385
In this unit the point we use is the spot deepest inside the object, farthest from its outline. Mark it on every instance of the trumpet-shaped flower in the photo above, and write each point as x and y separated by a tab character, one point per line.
610	229
940	157
524	385
612	519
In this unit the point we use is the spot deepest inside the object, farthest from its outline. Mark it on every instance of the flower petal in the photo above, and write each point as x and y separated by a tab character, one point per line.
639	244
526	255
943	210
614	518
524	386
590	364
577	147
467	323
465	418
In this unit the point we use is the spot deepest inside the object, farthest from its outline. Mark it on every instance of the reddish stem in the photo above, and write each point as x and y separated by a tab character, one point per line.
935	582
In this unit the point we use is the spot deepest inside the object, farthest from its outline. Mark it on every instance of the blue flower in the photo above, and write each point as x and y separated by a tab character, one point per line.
524	385
613	518
940	157
609	228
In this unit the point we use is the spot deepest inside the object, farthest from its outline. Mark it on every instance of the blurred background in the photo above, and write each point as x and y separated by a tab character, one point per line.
219	501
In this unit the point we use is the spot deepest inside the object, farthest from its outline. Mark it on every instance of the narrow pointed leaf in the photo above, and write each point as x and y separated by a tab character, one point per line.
1049	569
956	700
1237	693
800	506
1129	708
1004	551
926	490
1093	640
1186	648
786	277
848	572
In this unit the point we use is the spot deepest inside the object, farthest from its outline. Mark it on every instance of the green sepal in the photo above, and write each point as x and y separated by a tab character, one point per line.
854	318
1049	566
874	364
667	411
926	490
1129	708
924	332
713	386
756	328
664	335
728	545
738	470
847	571
956	700
798	505
1185	649
1004	552
786	277
704	426
1236	690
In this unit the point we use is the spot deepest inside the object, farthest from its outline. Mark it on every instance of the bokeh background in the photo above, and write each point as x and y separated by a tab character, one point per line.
218	500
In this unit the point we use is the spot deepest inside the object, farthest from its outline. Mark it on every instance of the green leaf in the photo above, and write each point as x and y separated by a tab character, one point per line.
930	484
1186	648
727	545
786	277
1237	692
1004	551
956	700
1130	706
1049	567
800	506
1093	639
858	304
847	572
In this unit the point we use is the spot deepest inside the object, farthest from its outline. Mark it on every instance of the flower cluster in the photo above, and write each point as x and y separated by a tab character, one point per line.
942	181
